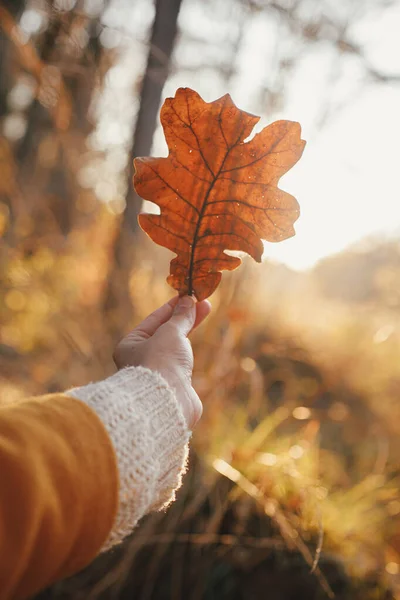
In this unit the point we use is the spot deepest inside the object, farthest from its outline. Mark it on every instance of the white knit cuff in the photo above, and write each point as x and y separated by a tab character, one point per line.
150	438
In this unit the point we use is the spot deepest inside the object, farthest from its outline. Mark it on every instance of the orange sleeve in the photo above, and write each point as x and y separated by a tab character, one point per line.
58	492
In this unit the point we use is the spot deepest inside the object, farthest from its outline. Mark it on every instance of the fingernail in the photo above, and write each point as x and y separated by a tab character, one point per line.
184	303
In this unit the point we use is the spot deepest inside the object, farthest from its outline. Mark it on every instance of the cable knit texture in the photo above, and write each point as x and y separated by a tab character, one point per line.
150	438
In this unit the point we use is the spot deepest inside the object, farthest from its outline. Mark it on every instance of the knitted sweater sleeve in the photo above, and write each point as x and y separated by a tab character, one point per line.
78	470
150	439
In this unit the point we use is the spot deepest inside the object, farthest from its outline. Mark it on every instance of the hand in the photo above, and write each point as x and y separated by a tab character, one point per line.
160	343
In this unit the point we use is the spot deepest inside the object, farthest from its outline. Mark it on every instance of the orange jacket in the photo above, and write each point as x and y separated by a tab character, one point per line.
58	492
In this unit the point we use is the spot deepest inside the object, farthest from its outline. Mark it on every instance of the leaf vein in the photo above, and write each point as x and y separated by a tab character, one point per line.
269	153
173	189
233	200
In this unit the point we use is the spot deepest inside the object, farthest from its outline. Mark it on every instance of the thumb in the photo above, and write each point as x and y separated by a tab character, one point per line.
184	315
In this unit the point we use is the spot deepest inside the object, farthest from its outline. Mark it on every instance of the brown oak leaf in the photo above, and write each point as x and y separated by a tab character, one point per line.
216	192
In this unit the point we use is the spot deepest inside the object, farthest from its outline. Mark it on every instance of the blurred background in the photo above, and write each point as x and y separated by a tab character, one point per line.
293	490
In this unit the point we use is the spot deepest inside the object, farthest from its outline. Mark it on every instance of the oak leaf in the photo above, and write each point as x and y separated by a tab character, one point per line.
216	192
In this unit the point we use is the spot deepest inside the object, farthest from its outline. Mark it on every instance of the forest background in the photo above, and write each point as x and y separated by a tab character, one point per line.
293	489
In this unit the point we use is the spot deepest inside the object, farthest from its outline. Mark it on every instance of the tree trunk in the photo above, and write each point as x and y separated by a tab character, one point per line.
15	8
165	26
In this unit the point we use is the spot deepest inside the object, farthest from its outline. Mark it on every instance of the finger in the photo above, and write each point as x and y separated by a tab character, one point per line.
157	318
184	315
203	309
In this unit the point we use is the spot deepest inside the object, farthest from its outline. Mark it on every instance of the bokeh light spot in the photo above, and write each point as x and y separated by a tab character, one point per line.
296	451
392	568
64	5
15	300
22	94
267	458
14	126
31	21
301	413
248	364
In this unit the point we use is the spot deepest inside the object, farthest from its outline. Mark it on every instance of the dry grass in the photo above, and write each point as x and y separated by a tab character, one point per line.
298	447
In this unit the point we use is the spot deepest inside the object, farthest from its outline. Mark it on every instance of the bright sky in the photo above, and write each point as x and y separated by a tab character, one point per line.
347	182
348	179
